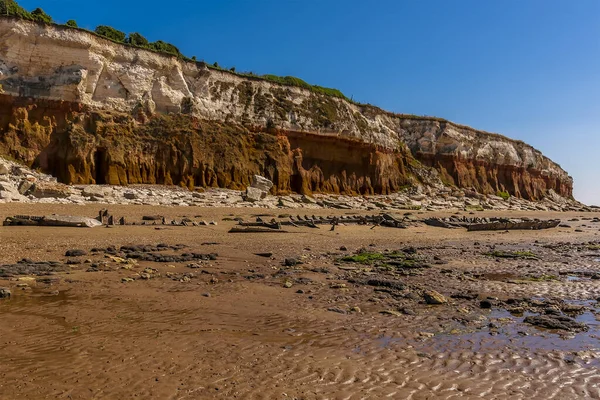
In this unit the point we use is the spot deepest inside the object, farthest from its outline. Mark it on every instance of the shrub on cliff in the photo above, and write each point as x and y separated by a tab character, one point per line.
12	9
137	40
110	33
165	47
71	23
40	16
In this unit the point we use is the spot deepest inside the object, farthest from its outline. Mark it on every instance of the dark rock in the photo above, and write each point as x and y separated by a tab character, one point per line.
266	255
485	304
556	322
388	283
5	293
291	262
75	253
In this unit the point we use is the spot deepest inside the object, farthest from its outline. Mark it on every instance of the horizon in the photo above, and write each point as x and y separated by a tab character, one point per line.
553	74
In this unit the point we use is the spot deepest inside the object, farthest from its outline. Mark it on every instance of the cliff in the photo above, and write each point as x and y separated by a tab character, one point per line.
89	110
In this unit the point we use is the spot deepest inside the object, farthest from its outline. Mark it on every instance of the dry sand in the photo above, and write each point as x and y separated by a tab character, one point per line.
235	331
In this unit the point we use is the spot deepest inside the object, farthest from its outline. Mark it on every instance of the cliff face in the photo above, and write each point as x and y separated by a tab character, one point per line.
89	110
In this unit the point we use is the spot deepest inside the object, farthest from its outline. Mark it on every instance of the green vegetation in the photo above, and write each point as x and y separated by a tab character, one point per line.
137	40
364	258
10	8
512	254
293	81
505	195
164	47
111	33
40	16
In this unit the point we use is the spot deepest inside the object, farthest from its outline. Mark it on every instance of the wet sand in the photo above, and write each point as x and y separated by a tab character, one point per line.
236	330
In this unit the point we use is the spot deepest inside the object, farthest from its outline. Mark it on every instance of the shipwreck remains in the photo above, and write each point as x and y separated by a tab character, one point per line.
492	224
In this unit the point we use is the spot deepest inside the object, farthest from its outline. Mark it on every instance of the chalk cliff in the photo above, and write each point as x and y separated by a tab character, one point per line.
89	110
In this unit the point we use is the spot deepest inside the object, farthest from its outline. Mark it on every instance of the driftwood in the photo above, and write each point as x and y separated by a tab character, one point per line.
255	229
492	224
513	225
52	220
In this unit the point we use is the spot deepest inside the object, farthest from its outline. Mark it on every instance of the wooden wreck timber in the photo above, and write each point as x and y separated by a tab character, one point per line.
492	224
52	220
387	220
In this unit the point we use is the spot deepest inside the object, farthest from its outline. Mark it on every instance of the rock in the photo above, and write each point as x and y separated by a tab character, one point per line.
261	183
44	190
131	195
25	186
391	312
288	284
291	262
556	322
433	297
4	168
308	200
5	293
485	304
266	255
253	194
337	310
95	191
75	253
387	283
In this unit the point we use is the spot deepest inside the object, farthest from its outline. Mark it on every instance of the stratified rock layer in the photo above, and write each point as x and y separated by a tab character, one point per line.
89	110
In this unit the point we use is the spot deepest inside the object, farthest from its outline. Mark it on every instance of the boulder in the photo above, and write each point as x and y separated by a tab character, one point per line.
5	293
254	194
433	297
308	200
131	195
25	186
94	191
4	168
50	190
262	183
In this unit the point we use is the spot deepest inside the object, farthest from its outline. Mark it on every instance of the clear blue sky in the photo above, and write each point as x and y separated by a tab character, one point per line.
529	69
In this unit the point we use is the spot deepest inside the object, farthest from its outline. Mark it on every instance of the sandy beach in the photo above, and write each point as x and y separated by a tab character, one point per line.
296	315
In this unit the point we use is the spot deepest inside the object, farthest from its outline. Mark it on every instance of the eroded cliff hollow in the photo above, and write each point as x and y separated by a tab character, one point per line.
89	110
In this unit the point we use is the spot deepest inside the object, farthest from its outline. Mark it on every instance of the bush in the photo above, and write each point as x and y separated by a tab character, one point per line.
165	47
72	23
40	16
11	8
137	40
110	33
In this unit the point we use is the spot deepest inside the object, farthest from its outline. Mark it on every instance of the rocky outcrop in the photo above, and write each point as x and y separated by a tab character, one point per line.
89	110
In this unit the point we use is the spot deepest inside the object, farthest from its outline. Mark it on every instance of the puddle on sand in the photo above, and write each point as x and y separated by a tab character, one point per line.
26	303
35	297
518	335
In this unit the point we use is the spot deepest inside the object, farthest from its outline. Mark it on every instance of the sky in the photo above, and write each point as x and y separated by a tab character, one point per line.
528	69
